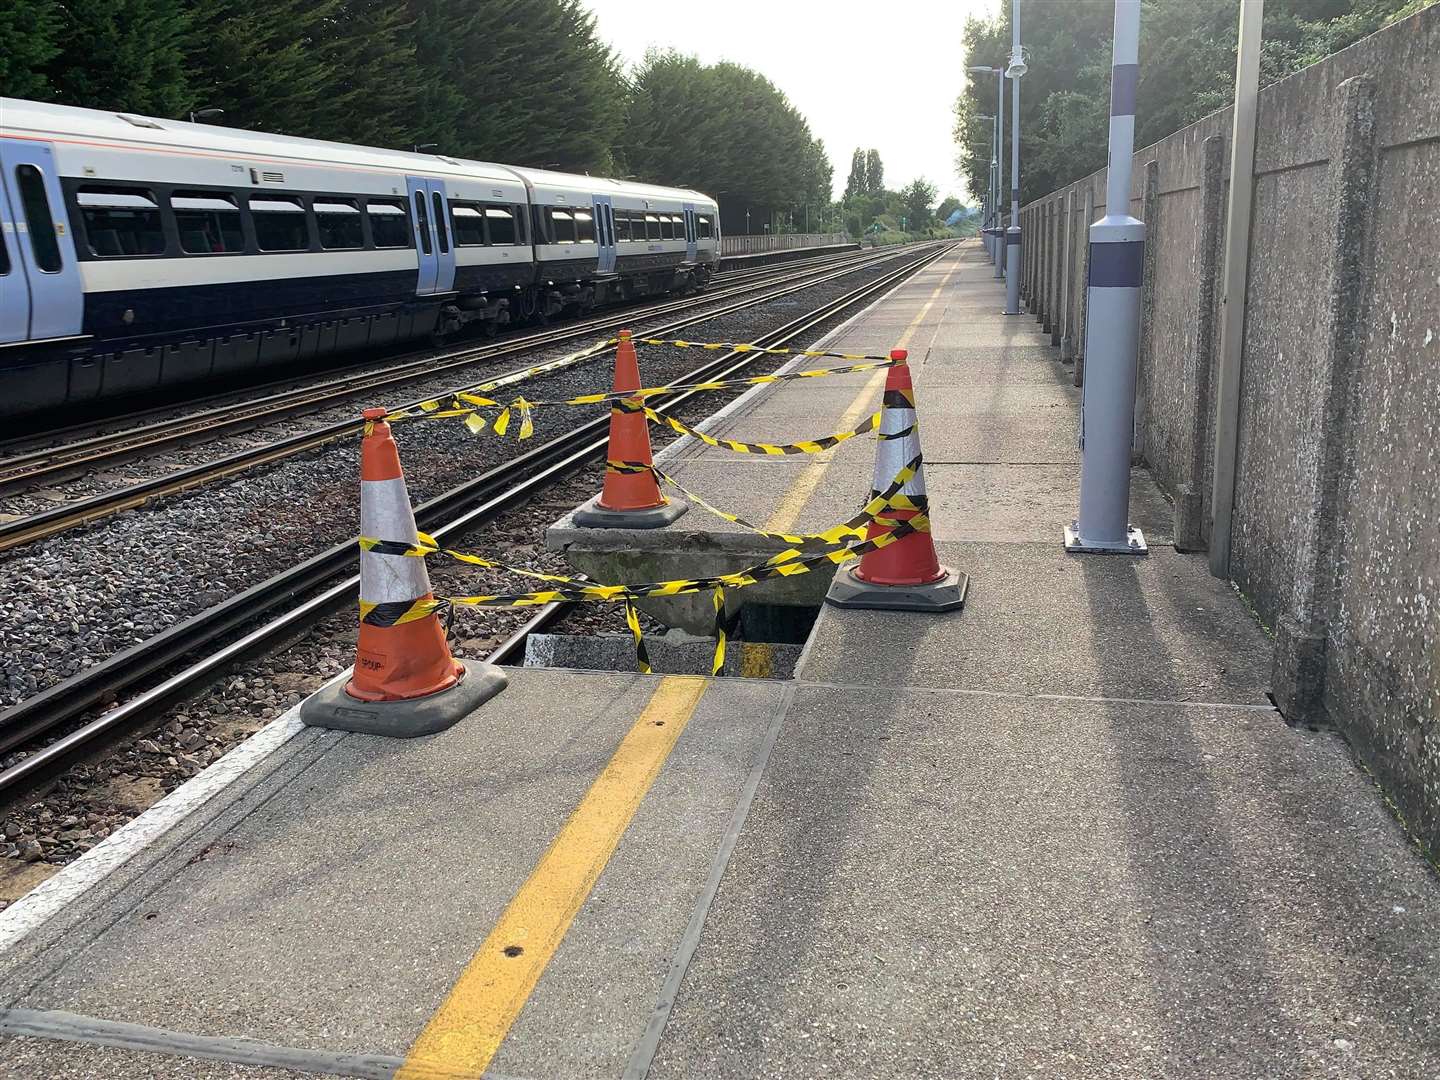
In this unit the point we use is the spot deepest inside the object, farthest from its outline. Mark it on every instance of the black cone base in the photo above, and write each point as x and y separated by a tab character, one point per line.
947	594
594	516
332	707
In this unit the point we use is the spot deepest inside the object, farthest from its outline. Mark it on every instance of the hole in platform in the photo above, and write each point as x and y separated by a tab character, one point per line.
659	723
763	642
513	950
778	624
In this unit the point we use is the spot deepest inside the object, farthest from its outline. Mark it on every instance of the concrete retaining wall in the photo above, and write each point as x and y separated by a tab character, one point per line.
1336	536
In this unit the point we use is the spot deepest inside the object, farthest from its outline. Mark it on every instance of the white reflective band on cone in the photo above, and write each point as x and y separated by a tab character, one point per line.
386	515
892	455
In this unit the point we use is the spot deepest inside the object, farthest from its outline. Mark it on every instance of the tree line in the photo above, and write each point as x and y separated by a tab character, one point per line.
526	82
1187	70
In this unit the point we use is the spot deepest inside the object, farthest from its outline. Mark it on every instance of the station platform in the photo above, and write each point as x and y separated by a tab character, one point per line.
1059	833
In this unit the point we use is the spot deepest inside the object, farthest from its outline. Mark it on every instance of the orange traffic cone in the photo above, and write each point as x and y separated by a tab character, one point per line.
405	682
905	575
631	498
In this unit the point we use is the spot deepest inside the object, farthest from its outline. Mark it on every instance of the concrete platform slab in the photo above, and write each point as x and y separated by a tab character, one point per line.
44	1059
1021	503
1001	887
1038	620
334	910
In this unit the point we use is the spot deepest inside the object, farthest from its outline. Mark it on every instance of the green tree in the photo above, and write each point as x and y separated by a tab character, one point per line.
874	173
126	55
855	183
1187	69
264	67
948	206
476	59
916	198
726	130
29	29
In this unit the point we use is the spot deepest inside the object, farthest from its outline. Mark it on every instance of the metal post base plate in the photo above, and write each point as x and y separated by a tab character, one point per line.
946	594
1133	544
332	707
594	516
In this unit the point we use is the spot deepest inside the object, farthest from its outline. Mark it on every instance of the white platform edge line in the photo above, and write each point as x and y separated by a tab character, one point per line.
50	897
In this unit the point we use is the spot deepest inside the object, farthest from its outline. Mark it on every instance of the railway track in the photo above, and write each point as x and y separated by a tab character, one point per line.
205	645
83	446
110	449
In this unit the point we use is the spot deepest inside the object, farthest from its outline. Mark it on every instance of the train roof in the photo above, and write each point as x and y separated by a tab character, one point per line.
543	180
66	120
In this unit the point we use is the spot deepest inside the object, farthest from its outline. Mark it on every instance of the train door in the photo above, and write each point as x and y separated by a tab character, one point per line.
40	292
430	214
691	233
605	233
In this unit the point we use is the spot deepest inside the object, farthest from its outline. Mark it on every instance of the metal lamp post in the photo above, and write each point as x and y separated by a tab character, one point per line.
1016	69
989	211
1112	325
998	162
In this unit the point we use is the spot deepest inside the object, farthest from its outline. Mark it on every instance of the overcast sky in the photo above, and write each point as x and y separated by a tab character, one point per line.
882	75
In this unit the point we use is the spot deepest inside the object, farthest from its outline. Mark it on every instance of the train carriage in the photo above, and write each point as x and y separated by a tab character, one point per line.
599	240
138	253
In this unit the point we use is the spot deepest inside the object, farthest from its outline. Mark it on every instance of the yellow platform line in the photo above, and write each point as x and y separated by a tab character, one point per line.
462	1037
794	501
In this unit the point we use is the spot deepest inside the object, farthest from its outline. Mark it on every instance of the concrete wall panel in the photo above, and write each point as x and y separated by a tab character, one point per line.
1279	395
1384	641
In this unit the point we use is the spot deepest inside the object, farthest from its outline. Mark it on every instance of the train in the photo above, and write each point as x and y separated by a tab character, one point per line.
140	253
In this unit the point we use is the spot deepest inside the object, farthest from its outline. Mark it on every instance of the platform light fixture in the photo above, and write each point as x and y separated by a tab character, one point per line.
997	253
1017	68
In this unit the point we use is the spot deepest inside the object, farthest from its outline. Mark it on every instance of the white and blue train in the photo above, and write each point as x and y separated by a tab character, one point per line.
138	253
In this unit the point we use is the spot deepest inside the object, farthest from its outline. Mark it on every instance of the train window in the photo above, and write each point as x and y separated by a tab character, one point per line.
208	222
440	221
562	226
389	224
520	224
469	224
703	227
584	227
667	227
652	226
622	226
279	224
120	221
422	218
338	221
502	224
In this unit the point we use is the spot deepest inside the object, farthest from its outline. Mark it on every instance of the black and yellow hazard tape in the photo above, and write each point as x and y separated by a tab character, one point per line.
469	405
791	562
803	446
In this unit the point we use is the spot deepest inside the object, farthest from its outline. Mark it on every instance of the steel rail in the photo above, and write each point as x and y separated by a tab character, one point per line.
475	502
28	465
60	519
